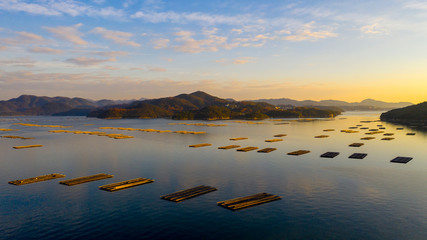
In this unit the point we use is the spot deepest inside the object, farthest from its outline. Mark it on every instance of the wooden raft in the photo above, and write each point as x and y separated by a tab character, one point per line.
280	135
37	179
229	147
410	134
80	180
200	145
299	152
125	184
358	155
267	150
388	134
321	136
367	138
329	154
247	149
249	201
16	137
387	138
356	144
237	139
188	193
28	146
274	140
401	160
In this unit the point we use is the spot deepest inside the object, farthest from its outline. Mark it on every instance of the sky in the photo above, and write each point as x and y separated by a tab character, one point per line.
242	49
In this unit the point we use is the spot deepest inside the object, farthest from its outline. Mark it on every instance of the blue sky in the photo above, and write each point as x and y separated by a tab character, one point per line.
345	50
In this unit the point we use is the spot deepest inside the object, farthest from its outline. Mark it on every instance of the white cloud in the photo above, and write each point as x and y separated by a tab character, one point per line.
111	68
161	43
68	33
19	62
122	38
45	50
85	61
23	38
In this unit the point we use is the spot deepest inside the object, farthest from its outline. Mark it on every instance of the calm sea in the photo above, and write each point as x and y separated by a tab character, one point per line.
322	198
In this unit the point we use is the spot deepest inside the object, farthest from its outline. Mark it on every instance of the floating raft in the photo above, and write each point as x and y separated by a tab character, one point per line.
267	150
80	180
229	147
200	145
16	137
7	130
387	138
364	128
188	193
249	201
358	155
37	179
382	128
388	134
125	184
374	132
349	131
281	123
367	138
329	154
321	136
280	135
237	139
329	130
352	127
299	152
410	134
274	140
400	128
28	146
401	159
247	149
356	144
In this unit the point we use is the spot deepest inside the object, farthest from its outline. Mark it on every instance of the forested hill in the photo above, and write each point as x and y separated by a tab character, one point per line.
411	114
200	105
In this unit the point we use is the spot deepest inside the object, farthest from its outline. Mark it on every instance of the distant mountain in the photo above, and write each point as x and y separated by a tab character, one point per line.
415	114
200	105
367	104
36	105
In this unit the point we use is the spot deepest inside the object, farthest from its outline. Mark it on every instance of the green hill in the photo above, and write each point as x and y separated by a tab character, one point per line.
411	114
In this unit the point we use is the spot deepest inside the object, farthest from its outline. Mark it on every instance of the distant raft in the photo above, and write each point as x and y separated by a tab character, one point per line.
367	138
401	160
274	140
280	135
247	149
399	128
321	136
328	130
329	154
125	184
356	144
239	138
188	193
374	132
358	155
267	150
7	129
388	134
299	152
249	201
37	179
200	145
363	128
229	147
410	134
387	138
37	125
349	131
16	137
80	180
28	146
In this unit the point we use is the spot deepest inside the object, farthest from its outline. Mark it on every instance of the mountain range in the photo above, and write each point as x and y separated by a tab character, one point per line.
168	106
365	105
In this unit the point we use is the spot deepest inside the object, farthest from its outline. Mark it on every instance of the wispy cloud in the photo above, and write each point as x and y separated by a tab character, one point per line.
188	44
193	17
160	43
45	50
309	33
85	61
23	38
373	29
157	69
243	60
19	62
110	53
68	33
121	38
59	8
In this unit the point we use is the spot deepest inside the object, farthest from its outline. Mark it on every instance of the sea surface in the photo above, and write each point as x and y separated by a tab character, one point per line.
322	198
